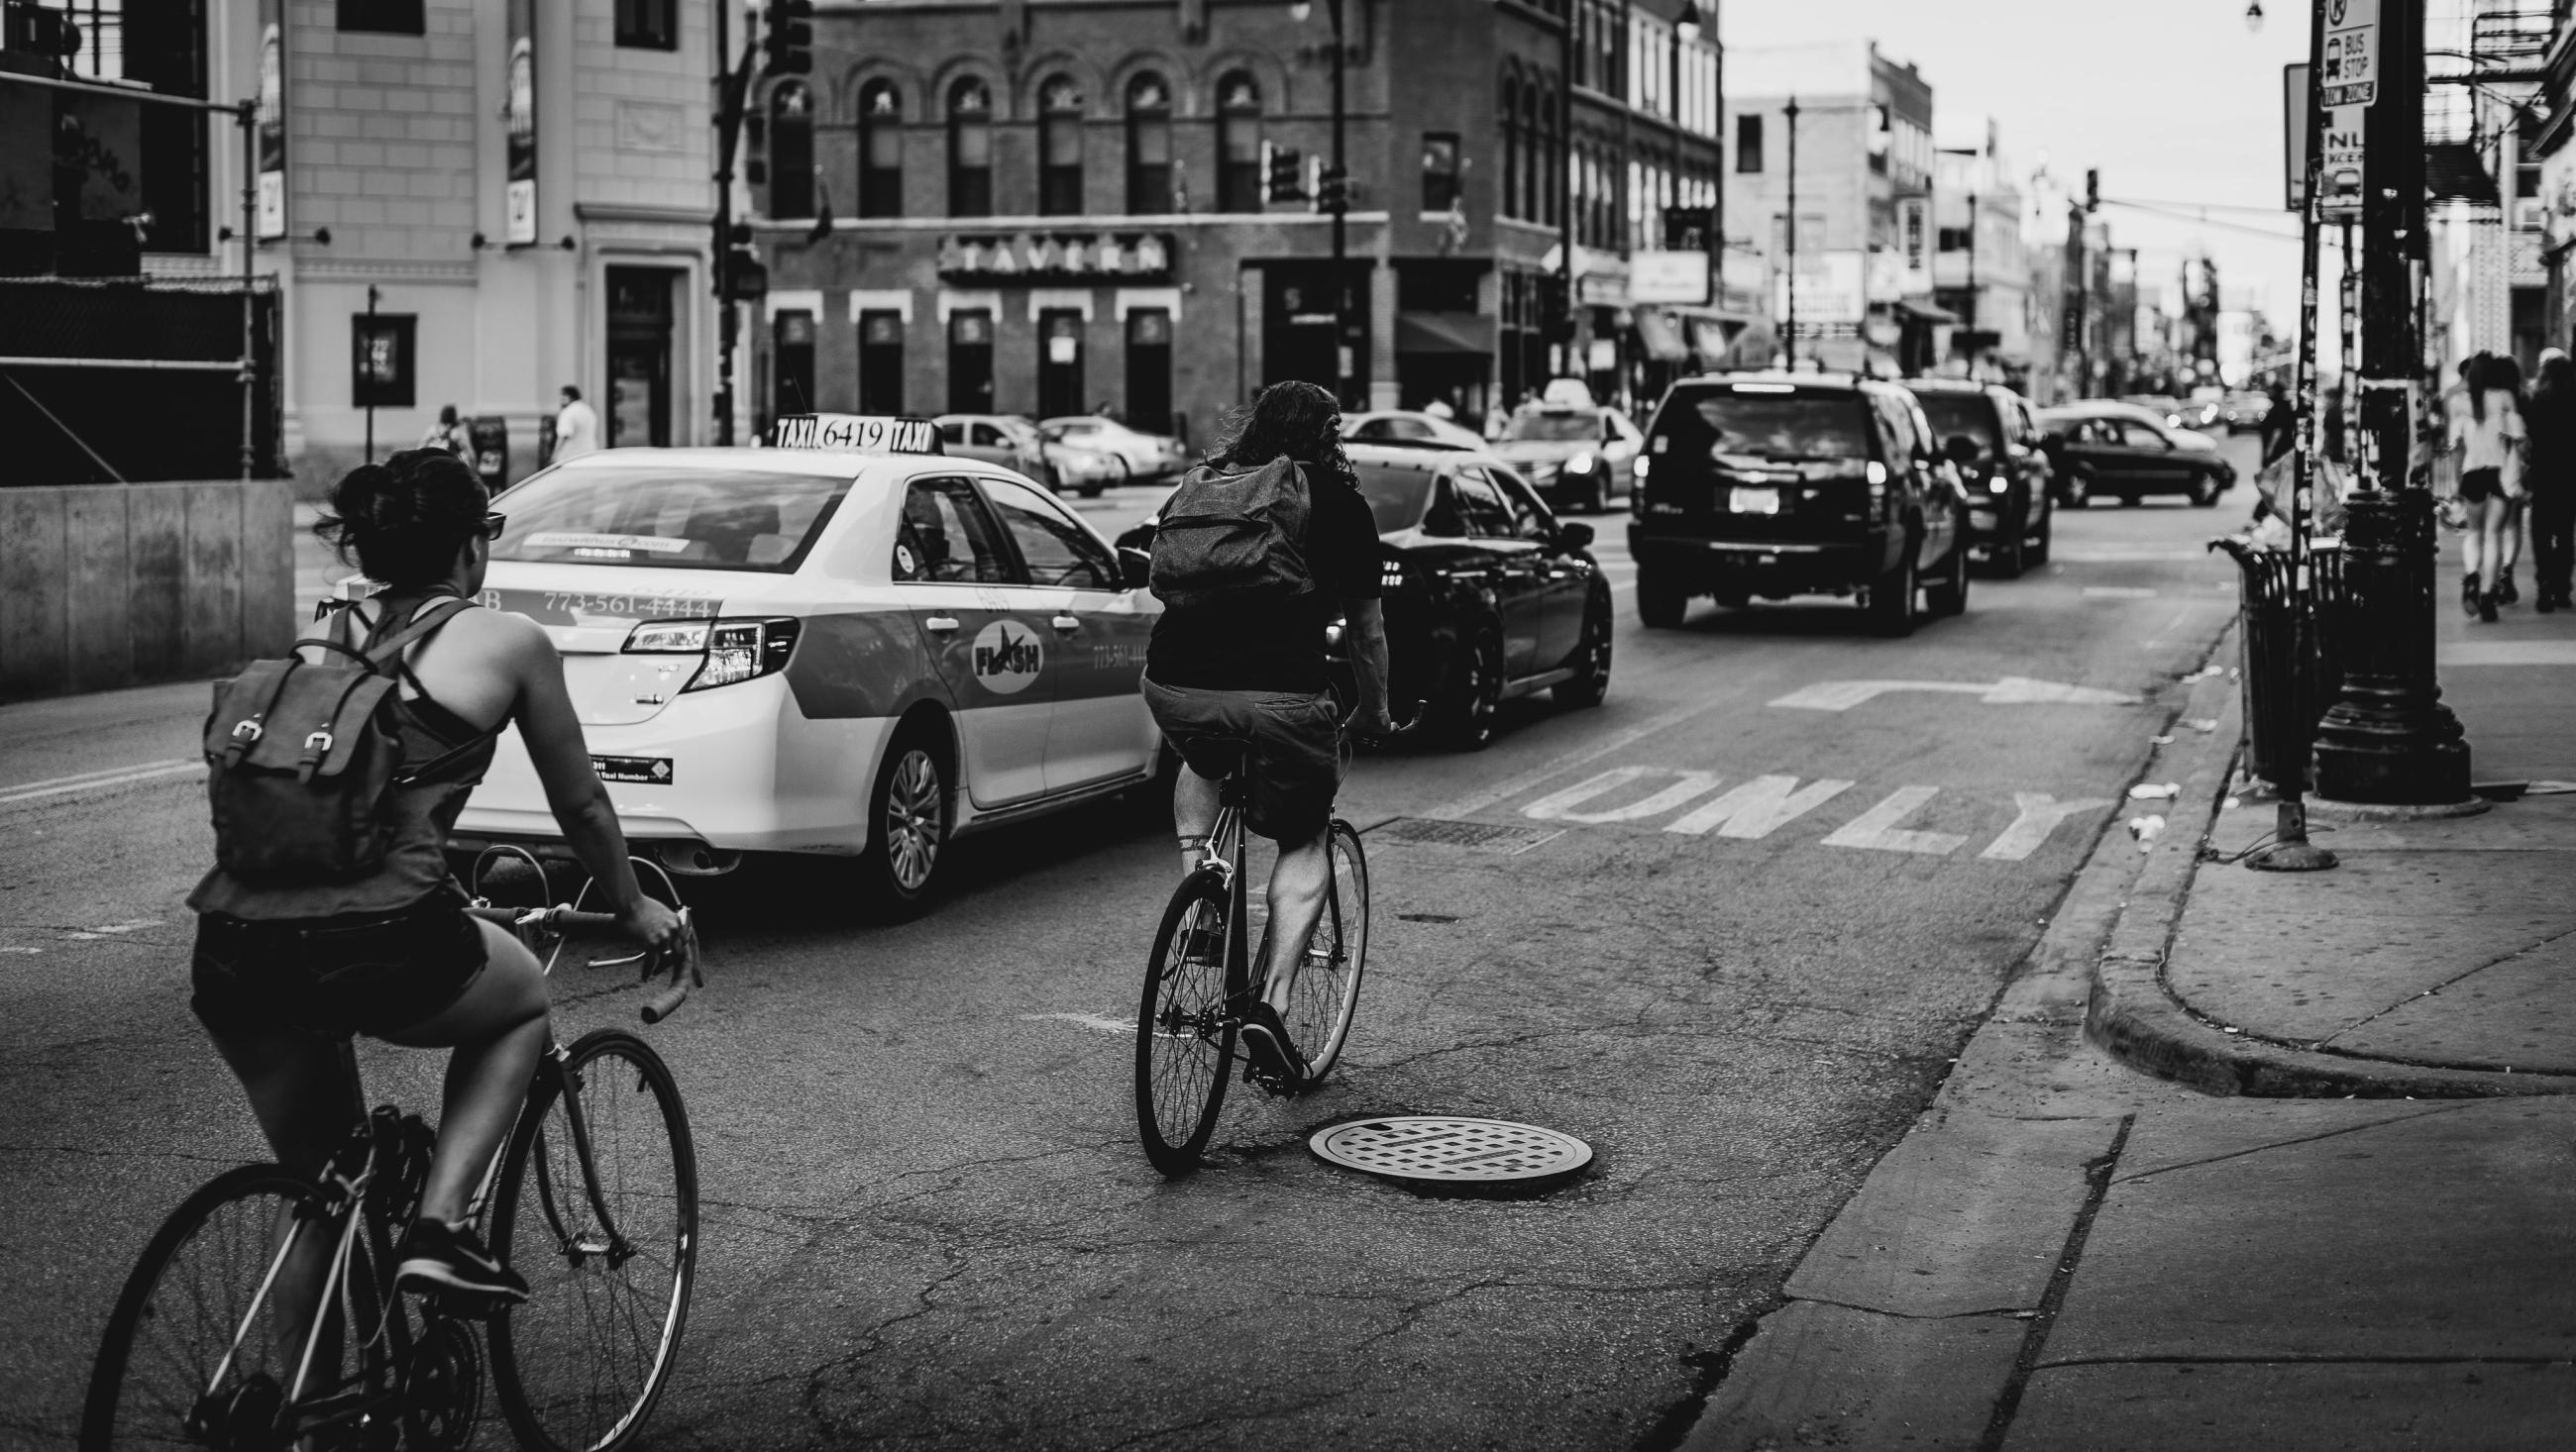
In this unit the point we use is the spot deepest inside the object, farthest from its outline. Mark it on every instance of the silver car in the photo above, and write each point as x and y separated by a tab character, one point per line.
1579	456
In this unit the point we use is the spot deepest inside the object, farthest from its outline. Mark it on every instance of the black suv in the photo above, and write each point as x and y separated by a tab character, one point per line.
1777	484
1989	433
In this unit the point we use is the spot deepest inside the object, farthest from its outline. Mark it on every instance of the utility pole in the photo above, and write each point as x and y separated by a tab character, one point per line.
2079	287
1789	343
1337	199
2387	738
728	128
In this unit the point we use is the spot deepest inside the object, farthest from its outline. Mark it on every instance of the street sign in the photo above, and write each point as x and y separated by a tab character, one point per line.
2352	52
2339	164
2294	137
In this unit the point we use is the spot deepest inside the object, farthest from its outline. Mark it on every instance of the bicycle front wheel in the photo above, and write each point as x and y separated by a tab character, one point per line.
1184	1036
1327	990
598	1208
204	1341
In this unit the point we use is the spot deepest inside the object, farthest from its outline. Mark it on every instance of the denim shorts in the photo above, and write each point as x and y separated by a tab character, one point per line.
2477	484
1294	743
361	973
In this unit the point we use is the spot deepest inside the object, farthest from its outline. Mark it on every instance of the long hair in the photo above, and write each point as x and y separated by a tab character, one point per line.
1294	420
2557	378
2504	375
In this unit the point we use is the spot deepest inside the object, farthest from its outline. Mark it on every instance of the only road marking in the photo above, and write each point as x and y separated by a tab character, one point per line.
2010	691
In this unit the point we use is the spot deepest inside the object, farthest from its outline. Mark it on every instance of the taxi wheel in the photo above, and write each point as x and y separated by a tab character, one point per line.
907	824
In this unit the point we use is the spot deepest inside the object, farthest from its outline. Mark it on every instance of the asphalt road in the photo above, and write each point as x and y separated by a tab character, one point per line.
1739	920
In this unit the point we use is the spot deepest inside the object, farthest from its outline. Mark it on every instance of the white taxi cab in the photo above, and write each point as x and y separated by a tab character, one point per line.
848	645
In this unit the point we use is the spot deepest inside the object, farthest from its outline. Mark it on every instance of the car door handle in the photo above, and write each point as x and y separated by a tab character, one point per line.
941	623
1066	624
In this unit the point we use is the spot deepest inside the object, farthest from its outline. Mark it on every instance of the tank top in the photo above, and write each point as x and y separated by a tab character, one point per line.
424	808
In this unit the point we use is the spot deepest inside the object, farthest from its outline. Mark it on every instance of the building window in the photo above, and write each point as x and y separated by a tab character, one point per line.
1536	116
880	150
1060	148
970	149
792	348
1059	362
791	151
1149	146
1238	140
970	361
1149	370
1545	162
1952	239
382	17
380	360
1509	114
1748	143
1439	170
881	362
648	24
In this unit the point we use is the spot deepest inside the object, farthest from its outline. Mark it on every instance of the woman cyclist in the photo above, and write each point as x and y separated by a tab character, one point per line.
282	973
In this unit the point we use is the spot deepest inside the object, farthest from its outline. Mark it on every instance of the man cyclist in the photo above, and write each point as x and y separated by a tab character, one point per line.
1242	672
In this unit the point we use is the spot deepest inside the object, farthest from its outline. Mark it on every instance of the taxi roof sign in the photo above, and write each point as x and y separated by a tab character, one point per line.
856	433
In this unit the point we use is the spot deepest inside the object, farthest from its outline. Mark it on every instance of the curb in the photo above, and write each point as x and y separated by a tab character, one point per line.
2131	1015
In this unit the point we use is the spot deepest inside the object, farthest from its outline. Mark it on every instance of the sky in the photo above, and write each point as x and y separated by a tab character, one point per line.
2174	101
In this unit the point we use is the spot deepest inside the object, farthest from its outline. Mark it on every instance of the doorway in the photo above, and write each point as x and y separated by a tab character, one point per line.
1149	370
970	361
639	356
1060	362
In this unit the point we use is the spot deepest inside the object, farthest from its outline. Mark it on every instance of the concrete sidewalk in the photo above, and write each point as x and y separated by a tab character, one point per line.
2067	1252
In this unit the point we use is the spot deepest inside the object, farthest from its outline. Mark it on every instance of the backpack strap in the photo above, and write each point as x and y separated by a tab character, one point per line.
388	649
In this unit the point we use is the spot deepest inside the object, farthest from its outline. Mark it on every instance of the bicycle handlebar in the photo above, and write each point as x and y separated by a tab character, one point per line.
1402	729
566	921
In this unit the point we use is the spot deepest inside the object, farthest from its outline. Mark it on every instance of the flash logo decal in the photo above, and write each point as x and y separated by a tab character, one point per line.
1007	657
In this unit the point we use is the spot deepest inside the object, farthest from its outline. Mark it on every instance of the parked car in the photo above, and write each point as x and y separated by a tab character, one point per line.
998	438
1406	426
2118	450
1579	456
1777	484
2246	411
1988	432
1083	471
1146	457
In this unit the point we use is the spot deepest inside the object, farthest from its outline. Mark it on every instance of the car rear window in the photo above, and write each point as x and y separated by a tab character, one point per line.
664	518
1961	413
1780	426
1553	427
1396	495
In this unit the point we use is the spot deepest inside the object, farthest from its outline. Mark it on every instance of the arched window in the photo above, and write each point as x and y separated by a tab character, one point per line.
791	151
880	150
1060	148
1533	159
970	149
1149	146
1238	143
1510	115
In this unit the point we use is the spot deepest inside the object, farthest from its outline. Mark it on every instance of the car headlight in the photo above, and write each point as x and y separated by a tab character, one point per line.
732	650
1997	484
1642	467
1579	464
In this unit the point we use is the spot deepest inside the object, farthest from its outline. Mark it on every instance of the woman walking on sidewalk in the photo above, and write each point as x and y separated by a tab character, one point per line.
2491	446
2551	481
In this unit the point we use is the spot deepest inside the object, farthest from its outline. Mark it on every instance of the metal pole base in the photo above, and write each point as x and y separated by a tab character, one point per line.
2387	738
2293	853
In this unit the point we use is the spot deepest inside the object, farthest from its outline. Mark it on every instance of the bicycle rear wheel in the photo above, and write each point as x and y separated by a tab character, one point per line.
608	1243
200	1279
1184	1036
1327	992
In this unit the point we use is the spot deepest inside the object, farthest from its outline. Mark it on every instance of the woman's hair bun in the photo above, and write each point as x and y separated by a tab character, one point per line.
405	518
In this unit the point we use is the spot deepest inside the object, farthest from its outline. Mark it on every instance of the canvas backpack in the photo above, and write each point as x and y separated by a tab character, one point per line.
303	759
1234	536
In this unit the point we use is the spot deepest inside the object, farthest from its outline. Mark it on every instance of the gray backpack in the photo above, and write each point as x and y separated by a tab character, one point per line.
1234	537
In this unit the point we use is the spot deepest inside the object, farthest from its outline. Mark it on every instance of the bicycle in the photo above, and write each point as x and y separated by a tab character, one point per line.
1189	1021
593	1198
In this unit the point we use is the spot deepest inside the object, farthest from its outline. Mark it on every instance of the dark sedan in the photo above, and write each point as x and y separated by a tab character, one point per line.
2120	450
1989	433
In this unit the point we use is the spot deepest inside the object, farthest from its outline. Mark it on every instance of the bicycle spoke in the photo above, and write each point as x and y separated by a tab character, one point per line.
1184	1036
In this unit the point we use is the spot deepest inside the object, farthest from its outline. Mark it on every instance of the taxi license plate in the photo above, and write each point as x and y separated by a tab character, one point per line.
1741	500
652	770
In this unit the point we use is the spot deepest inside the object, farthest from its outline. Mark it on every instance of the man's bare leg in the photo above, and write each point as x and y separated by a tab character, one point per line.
1194	809
1297	886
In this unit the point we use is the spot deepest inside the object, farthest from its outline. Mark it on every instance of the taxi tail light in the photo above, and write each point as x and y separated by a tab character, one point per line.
733	650
1394	577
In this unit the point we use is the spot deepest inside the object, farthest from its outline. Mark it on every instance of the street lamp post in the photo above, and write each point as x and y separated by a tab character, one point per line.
1337	203
1789	288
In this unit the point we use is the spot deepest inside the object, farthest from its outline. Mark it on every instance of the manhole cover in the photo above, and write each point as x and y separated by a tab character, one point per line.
1474	836
1438	1149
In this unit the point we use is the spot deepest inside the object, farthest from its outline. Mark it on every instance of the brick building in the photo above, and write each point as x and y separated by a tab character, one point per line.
1042	208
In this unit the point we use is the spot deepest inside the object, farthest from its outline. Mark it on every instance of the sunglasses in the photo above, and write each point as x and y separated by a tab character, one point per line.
493	524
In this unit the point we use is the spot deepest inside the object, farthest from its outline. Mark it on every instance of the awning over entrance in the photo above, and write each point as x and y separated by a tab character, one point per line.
1444	333
1663	340
1924	312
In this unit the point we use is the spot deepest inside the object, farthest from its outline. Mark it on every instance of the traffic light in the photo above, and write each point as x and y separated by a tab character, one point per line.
1284	167
1332	189
2092	190
787	37
746	277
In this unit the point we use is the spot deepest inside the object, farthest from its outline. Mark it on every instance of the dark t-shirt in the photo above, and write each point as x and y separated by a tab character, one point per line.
1263	645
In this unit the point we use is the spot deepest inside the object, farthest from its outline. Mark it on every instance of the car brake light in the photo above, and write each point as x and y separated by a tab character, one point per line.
732	650
1877	474
1393	578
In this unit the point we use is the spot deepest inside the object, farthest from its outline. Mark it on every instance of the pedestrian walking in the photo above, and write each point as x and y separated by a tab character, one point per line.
2280	425
576	427
2491	440
2550	481
448	435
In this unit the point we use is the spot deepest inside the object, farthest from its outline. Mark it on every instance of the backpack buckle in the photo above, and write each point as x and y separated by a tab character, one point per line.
246	731
316	746
245	734
318	743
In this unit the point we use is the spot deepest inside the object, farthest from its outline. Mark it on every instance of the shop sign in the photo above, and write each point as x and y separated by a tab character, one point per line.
1668	277
1827	294
1048	258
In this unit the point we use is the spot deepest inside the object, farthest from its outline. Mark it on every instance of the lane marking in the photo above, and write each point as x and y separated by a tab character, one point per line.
2511	653
1474	802
1101	1022
1560	806
2038	815
2010	691
2118	592
2113	555
98	780
1877	831
1758	807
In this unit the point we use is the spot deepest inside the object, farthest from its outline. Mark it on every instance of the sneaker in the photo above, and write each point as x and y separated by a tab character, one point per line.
2469	594
2506	594
437	1256
1266	1038
2487	609
2545	604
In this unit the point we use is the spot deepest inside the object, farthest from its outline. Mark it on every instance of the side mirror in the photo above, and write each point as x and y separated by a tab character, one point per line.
1574	536
1135	568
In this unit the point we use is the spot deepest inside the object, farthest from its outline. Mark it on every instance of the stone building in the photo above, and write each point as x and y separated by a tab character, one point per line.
1049	208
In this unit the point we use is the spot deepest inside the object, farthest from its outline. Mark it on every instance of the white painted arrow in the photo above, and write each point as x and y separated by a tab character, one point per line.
2010	691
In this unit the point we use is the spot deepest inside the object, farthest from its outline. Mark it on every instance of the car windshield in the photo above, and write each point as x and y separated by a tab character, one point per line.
1778	426
1395	494
1961	413
1554	428
659	517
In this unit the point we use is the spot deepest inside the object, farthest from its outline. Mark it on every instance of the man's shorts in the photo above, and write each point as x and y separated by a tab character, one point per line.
1295	746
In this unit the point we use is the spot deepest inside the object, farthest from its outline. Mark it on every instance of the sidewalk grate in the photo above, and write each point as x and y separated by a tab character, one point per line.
1436	1149
1473	836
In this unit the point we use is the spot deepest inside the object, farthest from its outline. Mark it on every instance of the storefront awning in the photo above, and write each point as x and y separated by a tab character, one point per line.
1444	333
1925	312
1662	340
